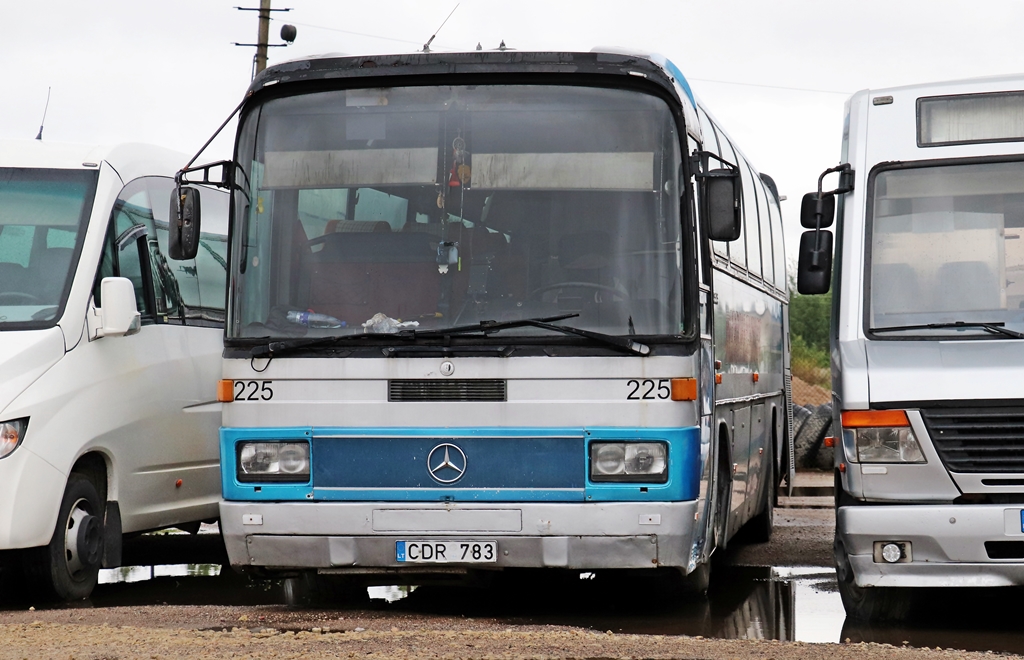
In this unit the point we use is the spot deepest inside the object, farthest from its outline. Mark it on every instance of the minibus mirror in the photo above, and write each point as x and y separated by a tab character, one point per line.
183	232
809	210
814	270
723	204
119	315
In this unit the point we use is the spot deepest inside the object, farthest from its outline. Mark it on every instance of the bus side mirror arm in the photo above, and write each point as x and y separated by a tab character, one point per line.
817	210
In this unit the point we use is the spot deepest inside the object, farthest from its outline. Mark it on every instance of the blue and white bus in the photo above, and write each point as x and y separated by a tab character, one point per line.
495	310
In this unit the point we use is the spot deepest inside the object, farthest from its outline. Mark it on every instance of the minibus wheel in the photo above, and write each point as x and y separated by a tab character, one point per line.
68	568
760	526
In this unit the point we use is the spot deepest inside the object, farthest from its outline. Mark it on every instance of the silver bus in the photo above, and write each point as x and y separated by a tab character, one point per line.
928	317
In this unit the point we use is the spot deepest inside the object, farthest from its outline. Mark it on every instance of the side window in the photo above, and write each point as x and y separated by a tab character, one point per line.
766	231
737	248
778	244
128	258
721	248
751	197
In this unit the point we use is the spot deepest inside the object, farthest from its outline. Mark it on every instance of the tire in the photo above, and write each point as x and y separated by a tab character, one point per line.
313	590
723	498
800	415
759	528
68	567
869	604
808	441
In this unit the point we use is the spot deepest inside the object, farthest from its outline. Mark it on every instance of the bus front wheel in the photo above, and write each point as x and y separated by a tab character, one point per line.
68	568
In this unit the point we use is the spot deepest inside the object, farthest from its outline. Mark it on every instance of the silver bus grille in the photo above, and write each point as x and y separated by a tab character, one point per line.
490	389
978	439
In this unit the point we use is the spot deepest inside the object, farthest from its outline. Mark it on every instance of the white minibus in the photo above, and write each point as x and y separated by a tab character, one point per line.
927	350
109	355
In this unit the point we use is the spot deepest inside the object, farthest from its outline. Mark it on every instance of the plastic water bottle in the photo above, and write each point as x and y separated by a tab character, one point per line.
314	320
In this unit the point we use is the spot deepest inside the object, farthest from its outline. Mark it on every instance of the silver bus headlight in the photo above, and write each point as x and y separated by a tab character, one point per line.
273	461
629	461
882	436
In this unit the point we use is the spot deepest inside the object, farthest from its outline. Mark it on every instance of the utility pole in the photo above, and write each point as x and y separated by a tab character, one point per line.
262	44
264	36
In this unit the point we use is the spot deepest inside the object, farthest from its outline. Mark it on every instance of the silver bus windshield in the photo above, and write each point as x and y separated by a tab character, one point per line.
374	210
947	251
43	215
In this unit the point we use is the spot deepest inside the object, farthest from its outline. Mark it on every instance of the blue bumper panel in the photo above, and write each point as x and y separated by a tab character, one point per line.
485	465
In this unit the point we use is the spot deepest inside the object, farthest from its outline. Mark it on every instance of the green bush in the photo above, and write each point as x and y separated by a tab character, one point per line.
809	318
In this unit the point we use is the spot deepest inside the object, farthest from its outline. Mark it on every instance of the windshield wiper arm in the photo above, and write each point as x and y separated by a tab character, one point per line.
489	326
995	328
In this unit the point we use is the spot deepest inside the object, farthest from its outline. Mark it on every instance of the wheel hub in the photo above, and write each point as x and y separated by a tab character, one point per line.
83	539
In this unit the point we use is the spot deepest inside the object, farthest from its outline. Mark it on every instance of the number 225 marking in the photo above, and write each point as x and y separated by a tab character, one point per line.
248	390
647	389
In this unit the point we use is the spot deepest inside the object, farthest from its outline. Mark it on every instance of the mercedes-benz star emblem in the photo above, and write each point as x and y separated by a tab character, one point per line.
446	463
447	368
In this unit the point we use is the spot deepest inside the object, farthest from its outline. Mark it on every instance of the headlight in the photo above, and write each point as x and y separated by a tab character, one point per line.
273	461
11	434
882	436
629	461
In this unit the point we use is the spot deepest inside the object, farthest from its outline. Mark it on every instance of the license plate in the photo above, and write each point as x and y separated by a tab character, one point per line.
1022	521
446	552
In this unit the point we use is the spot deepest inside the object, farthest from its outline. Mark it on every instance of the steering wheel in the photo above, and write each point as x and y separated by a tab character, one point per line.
15	297
536	293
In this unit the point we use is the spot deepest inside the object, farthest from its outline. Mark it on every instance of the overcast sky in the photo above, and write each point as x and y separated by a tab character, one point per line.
774	72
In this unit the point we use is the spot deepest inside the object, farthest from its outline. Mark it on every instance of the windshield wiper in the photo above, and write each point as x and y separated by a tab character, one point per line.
545	323
995	328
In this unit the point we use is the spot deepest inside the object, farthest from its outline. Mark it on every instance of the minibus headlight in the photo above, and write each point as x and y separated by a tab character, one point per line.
881	436
11	434
629	461
273	461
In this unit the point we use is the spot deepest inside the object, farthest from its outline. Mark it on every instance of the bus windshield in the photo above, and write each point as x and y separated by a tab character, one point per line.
374	210
43	215
947	251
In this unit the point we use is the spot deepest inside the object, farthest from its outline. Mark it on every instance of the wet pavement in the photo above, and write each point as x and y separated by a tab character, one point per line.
787	603
745	601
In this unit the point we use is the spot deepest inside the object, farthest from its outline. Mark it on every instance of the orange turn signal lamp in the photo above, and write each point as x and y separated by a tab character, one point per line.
225	390
859	419
684	389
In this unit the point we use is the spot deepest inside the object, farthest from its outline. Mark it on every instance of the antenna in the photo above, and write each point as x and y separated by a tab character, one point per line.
426	46
40	135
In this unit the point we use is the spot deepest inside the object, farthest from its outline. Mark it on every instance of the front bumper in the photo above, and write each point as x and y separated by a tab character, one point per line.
948	544
361	536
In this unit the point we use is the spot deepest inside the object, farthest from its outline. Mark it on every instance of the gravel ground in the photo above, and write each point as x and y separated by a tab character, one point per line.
94	631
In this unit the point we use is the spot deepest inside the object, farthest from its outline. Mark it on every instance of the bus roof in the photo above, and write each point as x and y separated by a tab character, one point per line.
607	62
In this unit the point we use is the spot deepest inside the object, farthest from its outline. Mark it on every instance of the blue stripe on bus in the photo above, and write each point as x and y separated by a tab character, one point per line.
380	464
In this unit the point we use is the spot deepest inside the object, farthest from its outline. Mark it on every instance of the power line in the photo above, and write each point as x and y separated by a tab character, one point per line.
359	34
792	89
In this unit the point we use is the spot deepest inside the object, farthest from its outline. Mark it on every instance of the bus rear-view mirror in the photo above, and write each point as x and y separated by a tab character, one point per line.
809	210
183	232
722	198
814	271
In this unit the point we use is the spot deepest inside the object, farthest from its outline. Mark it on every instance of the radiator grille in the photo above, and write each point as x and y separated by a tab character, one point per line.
447	390
978	439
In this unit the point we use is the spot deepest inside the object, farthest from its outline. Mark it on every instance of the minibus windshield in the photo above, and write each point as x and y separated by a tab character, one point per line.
947	251
373	211
43	215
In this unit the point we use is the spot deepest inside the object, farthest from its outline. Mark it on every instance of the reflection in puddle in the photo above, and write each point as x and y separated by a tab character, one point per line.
390	593
140	573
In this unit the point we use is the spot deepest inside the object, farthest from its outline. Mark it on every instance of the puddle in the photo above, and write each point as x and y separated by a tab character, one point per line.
129	574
